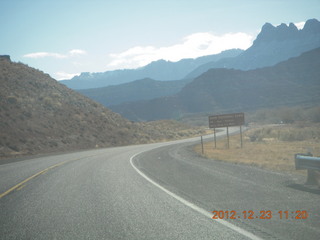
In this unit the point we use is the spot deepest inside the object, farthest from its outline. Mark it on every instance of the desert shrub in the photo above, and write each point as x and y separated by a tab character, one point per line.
53	144
51	102
13	146
290	136
27	114
260	134
285	115
314	114
48	101
300	134
12	99
55	95
285	133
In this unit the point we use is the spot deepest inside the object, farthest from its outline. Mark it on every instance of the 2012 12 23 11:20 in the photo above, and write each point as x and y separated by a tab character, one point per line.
262	214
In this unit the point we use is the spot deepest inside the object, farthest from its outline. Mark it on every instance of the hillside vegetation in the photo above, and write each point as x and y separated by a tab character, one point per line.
38	115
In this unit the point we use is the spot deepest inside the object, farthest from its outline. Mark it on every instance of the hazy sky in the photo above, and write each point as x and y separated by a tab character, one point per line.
67	37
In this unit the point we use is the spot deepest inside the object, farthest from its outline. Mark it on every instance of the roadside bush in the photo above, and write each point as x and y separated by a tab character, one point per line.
314	115
286	133
12	99
291	136
260	134
285	115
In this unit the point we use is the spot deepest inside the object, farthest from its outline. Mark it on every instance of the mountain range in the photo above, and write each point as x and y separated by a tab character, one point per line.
144	89
289	83
272	45
159	70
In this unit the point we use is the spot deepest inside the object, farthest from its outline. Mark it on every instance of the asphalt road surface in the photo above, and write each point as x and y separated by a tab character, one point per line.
154	191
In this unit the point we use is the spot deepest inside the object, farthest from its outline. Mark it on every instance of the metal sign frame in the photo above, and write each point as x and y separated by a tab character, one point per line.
226	120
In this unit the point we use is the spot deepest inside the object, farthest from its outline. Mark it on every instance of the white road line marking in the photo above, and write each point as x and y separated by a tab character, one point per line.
193	206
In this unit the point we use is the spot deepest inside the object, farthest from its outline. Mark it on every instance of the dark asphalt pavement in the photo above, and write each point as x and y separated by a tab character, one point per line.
98	194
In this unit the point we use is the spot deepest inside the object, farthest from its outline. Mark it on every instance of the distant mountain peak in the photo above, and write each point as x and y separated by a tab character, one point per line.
312	26
267	27
284	32
293	27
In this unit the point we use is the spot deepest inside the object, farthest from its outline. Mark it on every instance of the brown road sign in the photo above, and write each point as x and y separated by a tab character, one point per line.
226	120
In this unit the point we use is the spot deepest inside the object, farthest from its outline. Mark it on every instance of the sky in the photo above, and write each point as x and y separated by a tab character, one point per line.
66	37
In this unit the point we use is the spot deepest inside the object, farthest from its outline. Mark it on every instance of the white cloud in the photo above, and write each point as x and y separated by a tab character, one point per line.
44	54
77	52
64	75
71	53
192	46
300	25
70	62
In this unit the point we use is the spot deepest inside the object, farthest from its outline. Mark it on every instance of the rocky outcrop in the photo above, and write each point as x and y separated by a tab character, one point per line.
5	57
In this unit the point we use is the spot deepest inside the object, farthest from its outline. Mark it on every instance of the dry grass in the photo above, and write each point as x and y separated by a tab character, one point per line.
269	153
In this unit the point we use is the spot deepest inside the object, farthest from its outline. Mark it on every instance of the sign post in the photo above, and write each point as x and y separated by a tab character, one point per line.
202	145
241	137
226	120
228	144
215	139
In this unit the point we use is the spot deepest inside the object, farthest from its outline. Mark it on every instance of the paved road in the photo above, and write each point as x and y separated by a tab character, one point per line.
165	192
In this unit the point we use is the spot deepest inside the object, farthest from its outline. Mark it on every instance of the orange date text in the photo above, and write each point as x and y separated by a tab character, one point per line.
263	214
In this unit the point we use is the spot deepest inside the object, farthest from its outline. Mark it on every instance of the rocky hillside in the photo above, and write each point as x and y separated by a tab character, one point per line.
290	83
38	114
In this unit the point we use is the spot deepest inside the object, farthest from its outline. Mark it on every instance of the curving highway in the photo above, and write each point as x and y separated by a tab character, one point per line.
154	191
